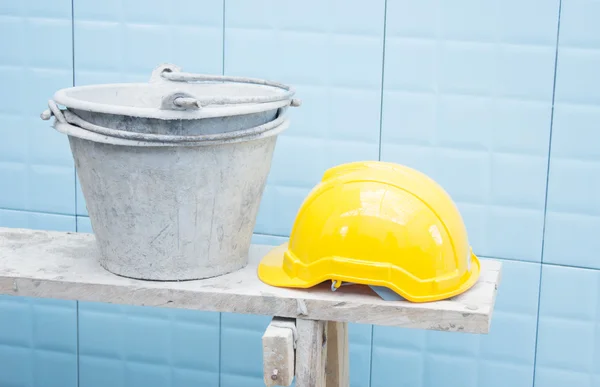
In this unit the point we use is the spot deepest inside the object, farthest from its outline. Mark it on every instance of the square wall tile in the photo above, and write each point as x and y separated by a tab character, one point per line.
144	346
84	224
35	159
38	342
123	41
568	351
360	339
467	99
331	53
241	349
504	357
36	220
574	176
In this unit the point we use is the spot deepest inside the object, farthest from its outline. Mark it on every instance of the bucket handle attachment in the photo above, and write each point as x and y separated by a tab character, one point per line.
172	73
53	110
180	101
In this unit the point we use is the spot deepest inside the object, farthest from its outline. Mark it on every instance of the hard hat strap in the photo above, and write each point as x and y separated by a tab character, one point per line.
335	284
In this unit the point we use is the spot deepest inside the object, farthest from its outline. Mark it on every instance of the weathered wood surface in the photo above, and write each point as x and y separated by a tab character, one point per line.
311	353
337	366
279	352
63	265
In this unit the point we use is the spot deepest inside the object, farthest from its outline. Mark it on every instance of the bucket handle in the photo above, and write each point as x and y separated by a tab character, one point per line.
67	118
172	73
76	131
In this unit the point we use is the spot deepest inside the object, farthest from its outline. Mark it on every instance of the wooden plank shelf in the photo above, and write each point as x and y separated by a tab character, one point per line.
64	265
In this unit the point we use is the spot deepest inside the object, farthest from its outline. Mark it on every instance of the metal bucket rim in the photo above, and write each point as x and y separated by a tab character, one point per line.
62	97
76	131
75	120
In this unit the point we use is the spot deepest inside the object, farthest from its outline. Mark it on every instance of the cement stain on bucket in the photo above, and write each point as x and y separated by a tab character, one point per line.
173	170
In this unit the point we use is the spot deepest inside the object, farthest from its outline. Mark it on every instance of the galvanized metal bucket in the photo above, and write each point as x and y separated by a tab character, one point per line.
173	171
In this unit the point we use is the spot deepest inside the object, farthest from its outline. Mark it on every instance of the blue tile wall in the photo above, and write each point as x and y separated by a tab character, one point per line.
137	35
574	182
360	337
84	224
569	328
37	220
146	347
467	99
241	349
38	342
498	101
36	167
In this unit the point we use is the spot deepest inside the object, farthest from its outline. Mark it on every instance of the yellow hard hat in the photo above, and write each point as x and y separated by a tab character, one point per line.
380	224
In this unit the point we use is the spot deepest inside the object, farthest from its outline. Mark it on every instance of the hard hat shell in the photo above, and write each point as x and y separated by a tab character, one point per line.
380	224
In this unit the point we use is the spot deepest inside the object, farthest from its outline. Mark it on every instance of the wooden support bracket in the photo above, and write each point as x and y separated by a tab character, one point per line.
320	358
279	343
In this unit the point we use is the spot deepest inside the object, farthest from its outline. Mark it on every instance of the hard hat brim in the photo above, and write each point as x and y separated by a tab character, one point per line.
271	272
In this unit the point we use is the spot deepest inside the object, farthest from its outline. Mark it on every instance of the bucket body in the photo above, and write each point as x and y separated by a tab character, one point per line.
173	213
173	171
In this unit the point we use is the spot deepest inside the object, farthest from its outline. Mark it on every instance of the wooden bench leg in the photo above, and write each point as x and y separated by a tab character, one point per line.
320	358
337	365
311	353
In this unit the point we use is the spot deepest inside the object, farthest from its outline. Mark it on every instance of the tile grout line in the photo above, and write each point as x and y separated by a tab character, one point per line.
537	327
77	341
271	235
220	345
77	344
370	354
220	313
36	212
73	41
379	158
223	41
382	79
73	81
